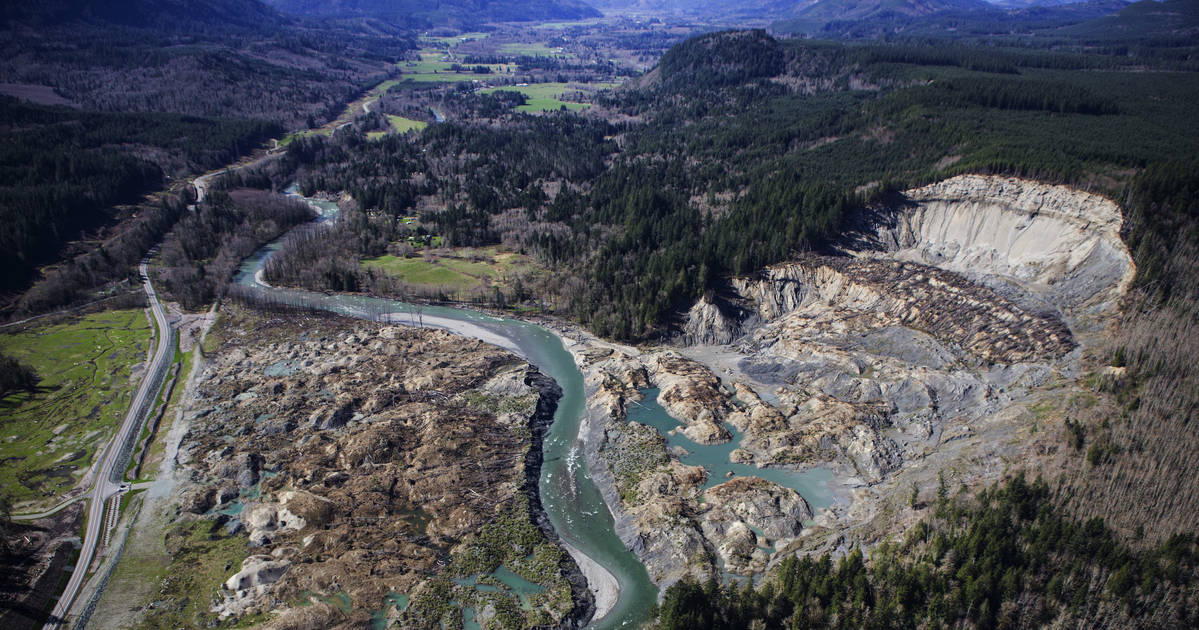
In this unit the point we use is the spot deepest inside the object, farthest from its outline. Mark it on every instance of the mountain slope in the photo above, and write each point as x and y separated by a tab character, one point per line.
229	58
705	8
1145	19
162	15
940	19
811	16
447	12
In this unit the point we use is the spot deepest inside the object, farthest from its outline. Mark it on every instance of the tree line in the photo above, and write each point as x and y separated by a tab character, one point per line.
1005	559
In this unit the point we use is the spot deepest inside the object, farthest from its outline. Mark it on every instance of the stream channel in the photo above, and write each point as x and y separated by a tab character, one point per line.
573	503
570	498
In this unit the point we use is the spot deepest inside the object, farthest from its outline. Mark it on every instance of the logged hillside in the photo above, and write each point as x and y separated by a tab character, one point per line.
1141	448
229	58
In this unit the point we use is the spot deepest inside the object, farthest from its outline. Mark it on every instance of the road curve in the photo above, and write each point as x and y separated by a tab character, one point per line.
45	513
106	483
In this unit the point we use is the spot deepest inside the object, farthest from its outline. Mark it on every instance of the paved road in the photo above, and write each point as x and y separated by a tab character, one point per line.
201	183
104	486
45	513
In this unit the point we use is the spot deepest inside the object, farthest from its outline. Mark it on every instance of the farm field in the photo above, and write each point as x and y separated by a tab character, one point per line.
48	437
455	39
542	97
456	270
433	68
400	125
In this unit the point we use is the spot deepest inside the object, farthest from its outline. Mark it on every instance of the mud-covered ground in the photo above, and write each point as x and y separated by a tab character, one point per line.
946	347
344	473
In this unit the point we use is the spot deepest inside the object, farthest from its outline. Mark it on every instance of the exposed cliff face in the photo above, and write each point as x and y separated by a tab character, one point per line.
926	347
708	324
1057	243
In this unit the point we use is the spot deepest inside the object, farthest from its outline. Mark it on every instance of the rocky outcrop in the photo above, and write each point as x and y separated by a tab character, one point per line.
243	590
691	393
745	517
708	324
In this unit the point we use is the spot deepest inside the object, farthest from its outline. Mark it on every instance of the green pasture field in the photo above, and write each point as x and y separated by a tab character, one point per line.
48	438
457	269
541	97
400	125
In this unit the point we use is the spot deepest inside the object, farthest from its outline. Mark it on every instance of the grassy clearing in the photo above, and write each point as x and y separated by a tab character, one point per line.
457	269
420	272
446	77
384	86
402	125
544	97
202	557
558	26
49	436
307	133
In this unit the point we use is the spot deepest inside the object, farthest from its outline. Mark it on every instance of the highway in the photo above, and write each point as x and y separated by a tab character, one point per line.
107	480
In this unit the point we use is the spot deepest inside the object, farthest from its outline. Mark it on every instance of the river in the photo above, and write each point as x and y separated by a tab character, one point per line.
571	499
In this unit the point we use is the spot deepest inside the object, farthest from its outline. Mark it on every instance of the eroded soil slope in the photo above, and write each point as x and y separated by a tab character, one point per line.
941	348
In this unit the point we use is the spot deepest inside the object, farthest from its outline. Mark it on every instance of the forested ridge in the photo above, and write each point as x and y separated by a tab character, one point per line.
220	58
739	151
62	171
158	91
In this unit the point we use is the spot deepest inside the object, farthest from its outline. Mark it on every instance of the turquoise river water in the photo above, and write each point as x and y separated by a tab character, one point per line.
570	497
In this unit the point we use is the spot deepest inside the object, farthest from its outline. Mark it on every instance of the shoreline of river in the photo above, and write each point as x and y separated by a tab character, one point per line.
618	585
604	586
602	583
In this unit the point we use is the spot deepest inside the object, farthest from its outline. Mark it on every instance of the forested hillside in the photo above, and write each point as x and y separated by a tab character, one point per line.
1004	559
458	13
231	58
158	90
749	150
64	171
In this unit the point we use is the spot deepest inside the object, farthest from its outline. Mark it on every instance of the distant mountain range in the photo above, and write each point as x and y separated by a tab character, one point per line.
1145	19
420	13
159	15
818	12
711	8
940	18
836	9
